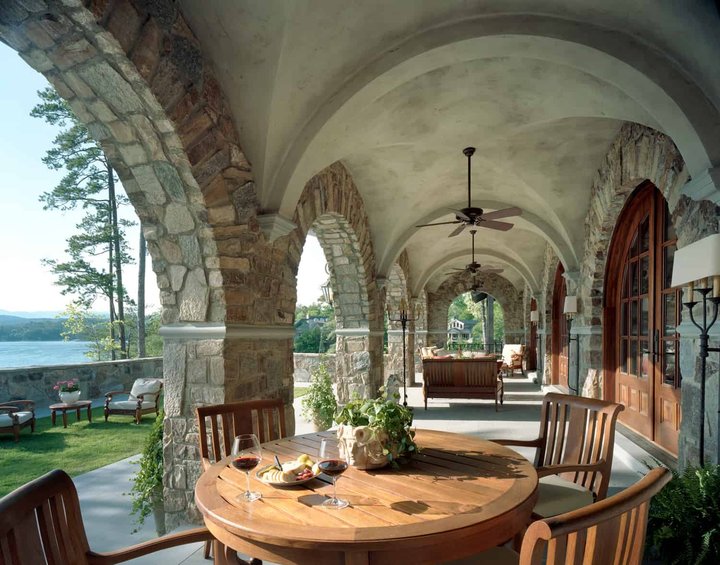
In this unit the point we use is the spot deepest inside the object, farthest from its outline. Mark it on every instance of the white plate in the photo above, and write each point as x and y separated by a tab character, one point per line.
283	483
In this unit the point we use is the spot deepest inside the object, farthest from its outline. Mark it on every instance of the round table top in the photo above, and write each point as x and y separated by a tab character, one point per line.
456	482
78	404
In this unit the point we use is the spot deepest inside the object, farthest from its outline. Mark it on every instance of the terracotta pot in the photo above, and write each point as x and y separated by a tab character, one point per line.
70	397
362	447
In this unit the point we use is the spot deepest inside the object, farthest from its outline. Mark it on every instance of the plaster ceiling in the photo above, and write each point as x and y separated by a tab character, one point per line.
313	82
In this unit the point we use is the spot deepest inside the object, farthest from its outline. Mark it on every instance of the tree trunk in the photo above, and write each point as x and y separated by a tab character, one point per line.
118	262
141	296
111	298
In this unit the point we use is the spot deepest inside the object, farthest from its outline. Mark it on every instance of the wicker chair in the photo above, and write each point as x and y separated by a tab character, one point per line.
16	415
574	452
41	523
143	398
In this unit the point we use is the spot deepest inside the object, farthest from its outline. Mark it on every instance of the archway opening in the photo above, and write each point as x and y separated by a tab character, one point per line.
476	323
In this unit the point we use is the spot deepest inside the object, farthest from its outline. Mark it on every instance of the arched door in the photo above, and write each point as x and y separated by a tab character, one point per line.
641	313
559	331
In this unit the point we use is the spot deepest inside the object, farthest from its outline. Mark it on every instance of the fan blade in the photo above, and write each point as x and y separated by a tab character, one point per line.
438	224
493	225
504	213
458	229
460	214
491	270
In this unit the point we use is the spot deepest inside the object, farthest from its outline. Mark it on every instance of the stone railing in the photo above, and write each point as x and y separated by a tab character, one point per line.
305	363
36	383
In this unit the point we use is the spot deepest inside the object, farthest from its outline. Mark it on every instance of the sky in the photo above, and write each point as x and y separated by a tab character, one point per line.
29	234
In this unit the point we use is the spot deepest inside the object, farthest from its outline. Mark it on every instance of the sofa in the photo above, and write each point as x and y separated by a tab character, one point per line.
463	378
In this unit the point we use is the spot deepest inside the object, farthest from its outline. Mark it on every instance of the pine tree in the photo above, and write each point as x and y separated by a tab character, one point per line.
89	184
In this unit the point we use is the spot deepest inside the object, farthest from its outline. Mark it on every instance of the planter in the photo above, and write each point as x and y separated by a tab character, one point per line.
320	426
70	397
362	447
159	513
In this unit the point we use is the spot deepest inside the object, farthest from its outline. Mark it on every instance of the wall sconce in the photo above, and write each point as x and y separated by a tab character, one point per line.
327	293
700	261
534	317
570	310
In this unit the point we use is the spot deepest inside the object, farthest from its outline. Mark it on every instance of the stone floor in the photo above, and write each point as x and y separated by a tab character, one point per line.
106	510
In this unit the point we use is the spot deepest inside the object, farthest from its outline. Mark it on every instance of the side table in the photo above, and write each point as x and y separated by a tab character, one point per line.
77	406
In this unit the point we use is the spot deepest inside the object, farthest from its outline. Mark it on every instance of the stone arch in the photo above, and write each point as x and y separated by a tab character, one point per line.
500	288
331	206
420	308
135	75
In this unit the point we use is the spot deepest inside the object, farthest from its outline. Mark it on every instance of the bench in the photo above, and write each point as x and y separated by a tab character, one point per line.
463	378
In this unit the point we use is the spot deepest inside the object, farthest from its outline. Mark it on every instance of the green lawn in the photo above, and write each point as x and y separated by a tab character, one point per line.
300	391
79	448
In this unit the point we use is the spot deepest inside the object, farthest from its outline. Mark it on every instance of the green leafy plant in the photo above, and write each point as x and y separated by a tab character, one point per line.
383	413
146	491
684	518
319	404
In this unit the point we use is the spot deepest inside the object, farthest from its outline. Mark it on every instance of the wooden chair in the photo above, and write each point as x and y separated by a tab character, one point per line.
574	452
220	423
16	415
143	398
40	522
605	533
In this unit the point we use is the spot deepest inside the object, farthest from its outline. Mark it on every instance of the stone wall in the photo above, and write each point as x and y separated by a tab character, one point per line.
95	379
305	363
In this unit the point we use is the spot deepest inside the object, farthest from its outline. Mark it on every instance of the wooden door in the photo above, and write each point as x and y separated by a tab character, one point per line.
641	316
559	331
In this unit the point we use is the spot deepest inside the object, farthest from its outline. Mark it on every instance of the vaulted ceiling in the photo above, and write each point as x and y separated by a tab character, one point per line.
395	90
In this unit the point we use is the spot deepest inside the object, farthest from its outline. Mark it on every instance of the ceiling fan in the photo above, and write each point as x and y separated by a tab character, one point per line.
474	267
472	216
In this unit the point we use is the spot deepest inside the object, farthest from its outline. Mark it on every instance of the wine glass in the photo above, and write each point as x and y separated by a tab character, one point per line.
245	456
333	466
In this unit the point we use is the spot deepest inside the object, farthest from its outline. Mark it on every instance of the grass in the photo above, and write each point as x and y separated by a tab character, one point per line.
300	391
77	449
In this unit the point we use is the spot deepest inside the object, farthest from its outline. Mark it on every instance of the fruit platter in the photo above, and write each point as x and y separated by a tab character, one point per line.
295	472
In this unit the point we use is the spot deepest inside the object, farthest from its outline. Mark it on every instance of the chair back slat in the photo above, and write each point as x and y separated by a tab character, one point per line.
609	532
578	430
40	523
220	423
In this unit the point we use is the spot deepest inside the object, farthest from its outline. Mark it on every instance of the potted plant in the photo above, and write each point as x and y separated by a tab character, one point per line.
376	432
68	391
147	489
319	404
684	518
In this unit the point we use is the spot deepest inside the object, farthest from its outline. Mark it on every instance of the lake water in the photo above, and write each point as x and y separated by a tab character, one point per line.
30	353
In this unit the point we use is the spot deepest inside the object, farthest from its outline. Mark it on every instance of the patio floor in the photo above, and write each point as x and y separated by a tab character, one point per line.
107	512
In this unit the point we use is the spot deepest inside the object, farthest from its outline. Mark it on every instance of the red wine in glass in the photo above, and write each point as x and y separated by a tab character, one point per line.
245	455
245	463
333	467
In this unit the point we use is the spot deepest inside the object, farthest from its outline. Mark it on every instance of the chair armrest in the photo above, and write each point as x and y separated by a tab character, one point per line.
519	442
151	546
9	409
569	468
28	405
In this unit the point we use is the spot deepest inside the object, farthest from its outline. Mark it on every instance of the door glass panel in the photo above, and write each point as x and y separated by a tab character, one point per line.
645	235
644	316
669	228
644	359
633	317
669	362
669	314
668	256
633	246
633	357
625	287
624	355
644	274
633	279
623	318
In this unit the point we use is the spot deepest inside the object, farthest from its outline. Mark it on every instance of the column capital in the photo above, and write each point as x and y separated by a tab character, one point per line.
275	226
705	186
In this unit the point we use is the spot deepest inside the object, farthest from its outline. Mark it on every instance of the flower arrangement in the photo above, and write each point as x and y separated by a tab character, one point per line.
67	386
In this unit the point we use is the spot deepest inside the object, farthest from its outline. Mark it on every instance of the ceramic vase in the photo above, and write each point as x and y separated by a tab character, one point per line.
362	447
70	397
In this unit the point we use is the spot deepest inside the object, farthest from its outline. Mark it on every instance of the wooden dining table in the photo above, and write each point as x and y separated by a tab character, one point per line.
458	496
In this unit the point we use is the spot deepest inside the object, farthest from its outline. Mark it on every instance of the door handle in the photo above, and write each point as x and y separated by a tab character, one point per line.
656	345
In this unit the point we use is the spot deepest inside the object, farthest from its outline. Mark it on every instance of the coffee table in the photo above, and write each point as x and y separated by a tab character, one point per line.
460	495
77	406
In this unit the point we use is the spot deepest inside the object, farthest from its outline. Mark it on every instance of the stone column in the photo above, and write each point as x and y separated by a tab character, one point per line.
411	353
420	342
395	351
353	364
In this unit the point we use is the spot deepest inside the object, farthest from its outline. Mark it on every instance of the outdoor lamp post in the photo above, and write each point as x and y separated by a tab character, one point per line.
570	310
700	261
403	320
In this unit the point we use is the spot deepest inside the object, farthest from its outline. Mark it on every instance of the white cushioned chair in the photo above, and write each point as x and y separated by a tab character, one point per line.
142	399
512	355
16	415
